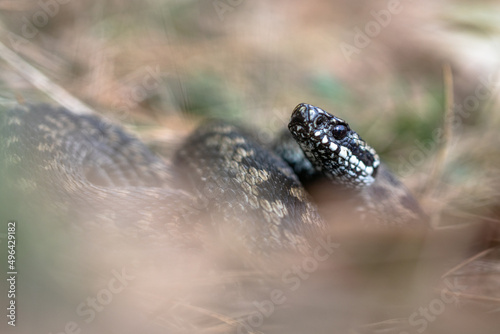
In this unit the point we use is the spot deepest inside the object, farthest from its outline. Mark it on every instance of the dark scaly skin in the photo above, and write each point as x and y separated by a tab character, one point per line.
93	174
88	173
333	150
248	187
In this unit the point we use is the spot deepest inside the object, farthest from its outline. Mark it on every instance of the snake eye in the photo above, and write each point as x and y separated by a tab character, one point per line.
339	131
320	121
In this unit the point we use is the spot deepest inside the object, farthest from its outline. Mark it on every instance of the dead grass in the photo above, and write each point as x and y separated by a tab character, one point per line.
160	67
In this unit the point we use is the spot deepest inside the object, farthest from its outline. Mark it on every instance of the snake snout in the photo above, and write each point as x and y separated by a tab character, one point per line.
300	114
303	114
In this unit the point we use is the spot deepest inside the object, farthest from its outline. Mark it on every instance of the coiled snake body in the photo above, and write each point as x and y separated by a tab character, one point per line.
220	180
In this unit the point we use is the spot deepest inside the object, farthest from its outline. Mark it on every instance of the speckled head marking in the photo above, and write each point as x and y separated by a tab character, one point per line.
333	147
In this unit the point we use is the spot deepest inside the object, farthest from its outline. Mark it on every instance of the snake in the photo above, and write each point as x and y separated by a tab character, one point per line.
222	181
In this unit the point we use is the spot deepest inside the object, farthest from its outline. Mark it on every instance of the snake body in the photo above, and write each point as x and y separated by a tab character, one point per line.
220	181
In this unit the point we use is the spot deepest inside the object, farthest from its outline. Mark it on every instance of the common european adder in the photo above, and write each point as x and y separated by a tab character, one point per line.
94	174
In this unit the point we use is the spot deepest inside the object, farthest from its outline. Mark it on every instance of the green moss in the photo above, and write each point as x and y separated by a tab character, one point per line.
206	94
328	87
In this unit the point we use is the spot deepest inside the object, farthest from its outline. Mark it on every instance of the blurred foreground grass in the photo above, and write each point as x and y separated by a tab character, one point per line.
160	67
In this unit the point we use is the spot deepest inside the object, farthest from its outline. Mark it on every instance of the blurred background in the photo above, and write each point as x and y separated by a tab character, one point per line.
417	79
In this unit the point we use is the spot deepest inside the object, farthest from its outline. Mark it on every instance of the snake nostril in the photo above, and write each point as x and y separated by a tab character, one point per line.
320	121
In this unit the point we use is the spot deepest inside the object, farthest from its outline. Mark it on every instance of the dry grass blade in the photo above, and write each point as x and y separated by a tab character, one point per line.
42	82
439	162
466	262
222	318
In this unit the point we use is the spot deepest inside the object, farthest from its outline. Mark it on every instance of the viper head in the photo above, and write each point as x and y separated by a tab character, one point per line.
332	147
